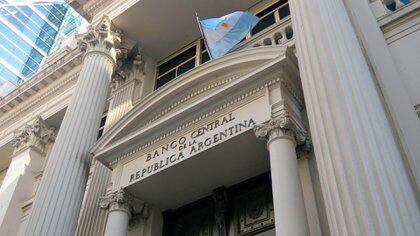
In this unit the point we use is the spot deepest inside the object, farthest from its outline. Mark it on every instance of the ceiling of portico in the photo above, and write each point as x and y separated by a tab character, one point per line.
164	26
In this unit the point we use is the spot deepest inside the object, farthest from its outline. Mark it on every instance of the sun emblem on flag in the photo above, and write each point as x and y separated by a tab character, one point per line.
225	25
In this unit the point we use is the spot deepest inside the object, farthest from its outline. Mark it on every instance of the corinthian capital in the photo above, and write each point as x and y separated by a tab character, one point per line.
100	38
283	125
37	135
279	125
122	200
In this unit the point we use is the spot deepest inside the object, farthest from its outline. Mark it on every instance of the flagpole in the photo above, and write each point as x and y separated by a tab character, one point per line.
202	35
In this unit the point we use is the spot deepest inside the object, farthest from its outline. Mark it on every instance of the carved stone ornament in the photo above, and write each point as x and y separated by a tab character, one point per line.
122	200
283	125
100	38
129	66
36	135
221	205
282	122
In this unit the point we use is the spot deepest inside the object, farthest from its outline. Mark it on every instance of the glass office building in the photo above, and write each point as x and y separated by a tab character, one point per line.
30	31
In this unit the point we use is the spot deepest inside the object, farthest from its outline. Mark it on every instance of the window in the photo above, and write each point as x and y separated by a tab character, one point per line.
205	57
176	66
271	15
102	126
182	62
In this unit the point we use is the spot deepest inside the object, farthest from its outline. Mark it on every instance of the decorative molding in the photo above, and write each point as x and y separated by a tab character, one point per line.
122	200
283	125
190	96
244	98
36	135
49	73
93	6
63	85
255	211
129	66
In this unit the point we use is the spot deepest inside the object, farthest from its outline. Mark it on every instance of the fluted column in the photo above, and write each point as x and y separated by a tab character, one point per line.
364	182
126	77
121	206
289	206
30	149
57	203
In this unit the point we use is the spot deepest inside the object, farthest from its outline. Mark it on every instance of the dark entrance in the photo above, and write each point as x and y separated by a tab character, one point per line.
243	209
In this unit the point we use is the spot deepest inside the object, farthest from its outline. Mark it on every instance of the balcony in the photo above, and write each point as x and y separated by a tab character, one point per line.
274	28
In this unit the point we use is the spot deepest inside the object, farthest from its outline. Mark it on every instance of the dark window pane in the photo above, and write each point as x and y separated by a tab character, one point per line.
101	131
203	45
271	8
165	79
264	23
186	67
205	57
284	12
167	66
103	120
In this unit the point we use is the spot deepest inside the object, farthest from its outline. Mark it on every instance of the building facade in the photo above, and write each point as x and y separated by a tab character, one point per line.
309	126
29	32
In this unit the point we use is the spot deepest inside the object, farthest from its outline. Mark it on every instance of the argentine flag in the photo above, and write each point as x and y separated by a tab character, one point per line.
222	34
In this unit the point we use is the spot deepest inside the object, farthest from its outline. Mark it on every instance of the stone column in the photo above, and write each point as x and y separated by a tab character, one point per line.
364	182
289	207
127	76
390	79
121	206
31	144
59	197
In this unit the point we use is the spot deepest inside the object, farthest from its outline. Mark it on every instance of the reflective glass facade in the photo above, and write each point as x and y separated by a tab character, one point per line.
28	32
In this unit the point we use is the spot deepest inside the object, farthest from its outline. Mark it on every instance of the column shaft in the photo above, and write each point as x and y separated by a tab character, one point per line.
365	184
289	207
120	205
59	197
117	223
92	219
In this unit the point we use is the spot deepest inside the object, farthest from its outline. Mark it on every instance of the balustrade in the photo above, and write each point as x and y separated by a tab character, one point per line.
383	7
280	33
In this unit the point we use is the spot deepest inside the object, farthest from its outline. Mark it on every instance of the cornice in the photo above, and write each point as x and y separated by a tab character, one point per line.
41	99
91	7
36	84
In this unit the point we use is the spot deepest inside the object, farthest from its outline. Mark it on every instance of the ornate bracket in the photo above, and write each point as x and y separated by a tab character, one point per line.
36	135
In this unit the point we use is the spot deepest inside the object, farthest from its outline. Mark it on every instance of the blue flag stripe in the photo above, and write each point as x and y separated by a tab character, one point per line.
222	34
